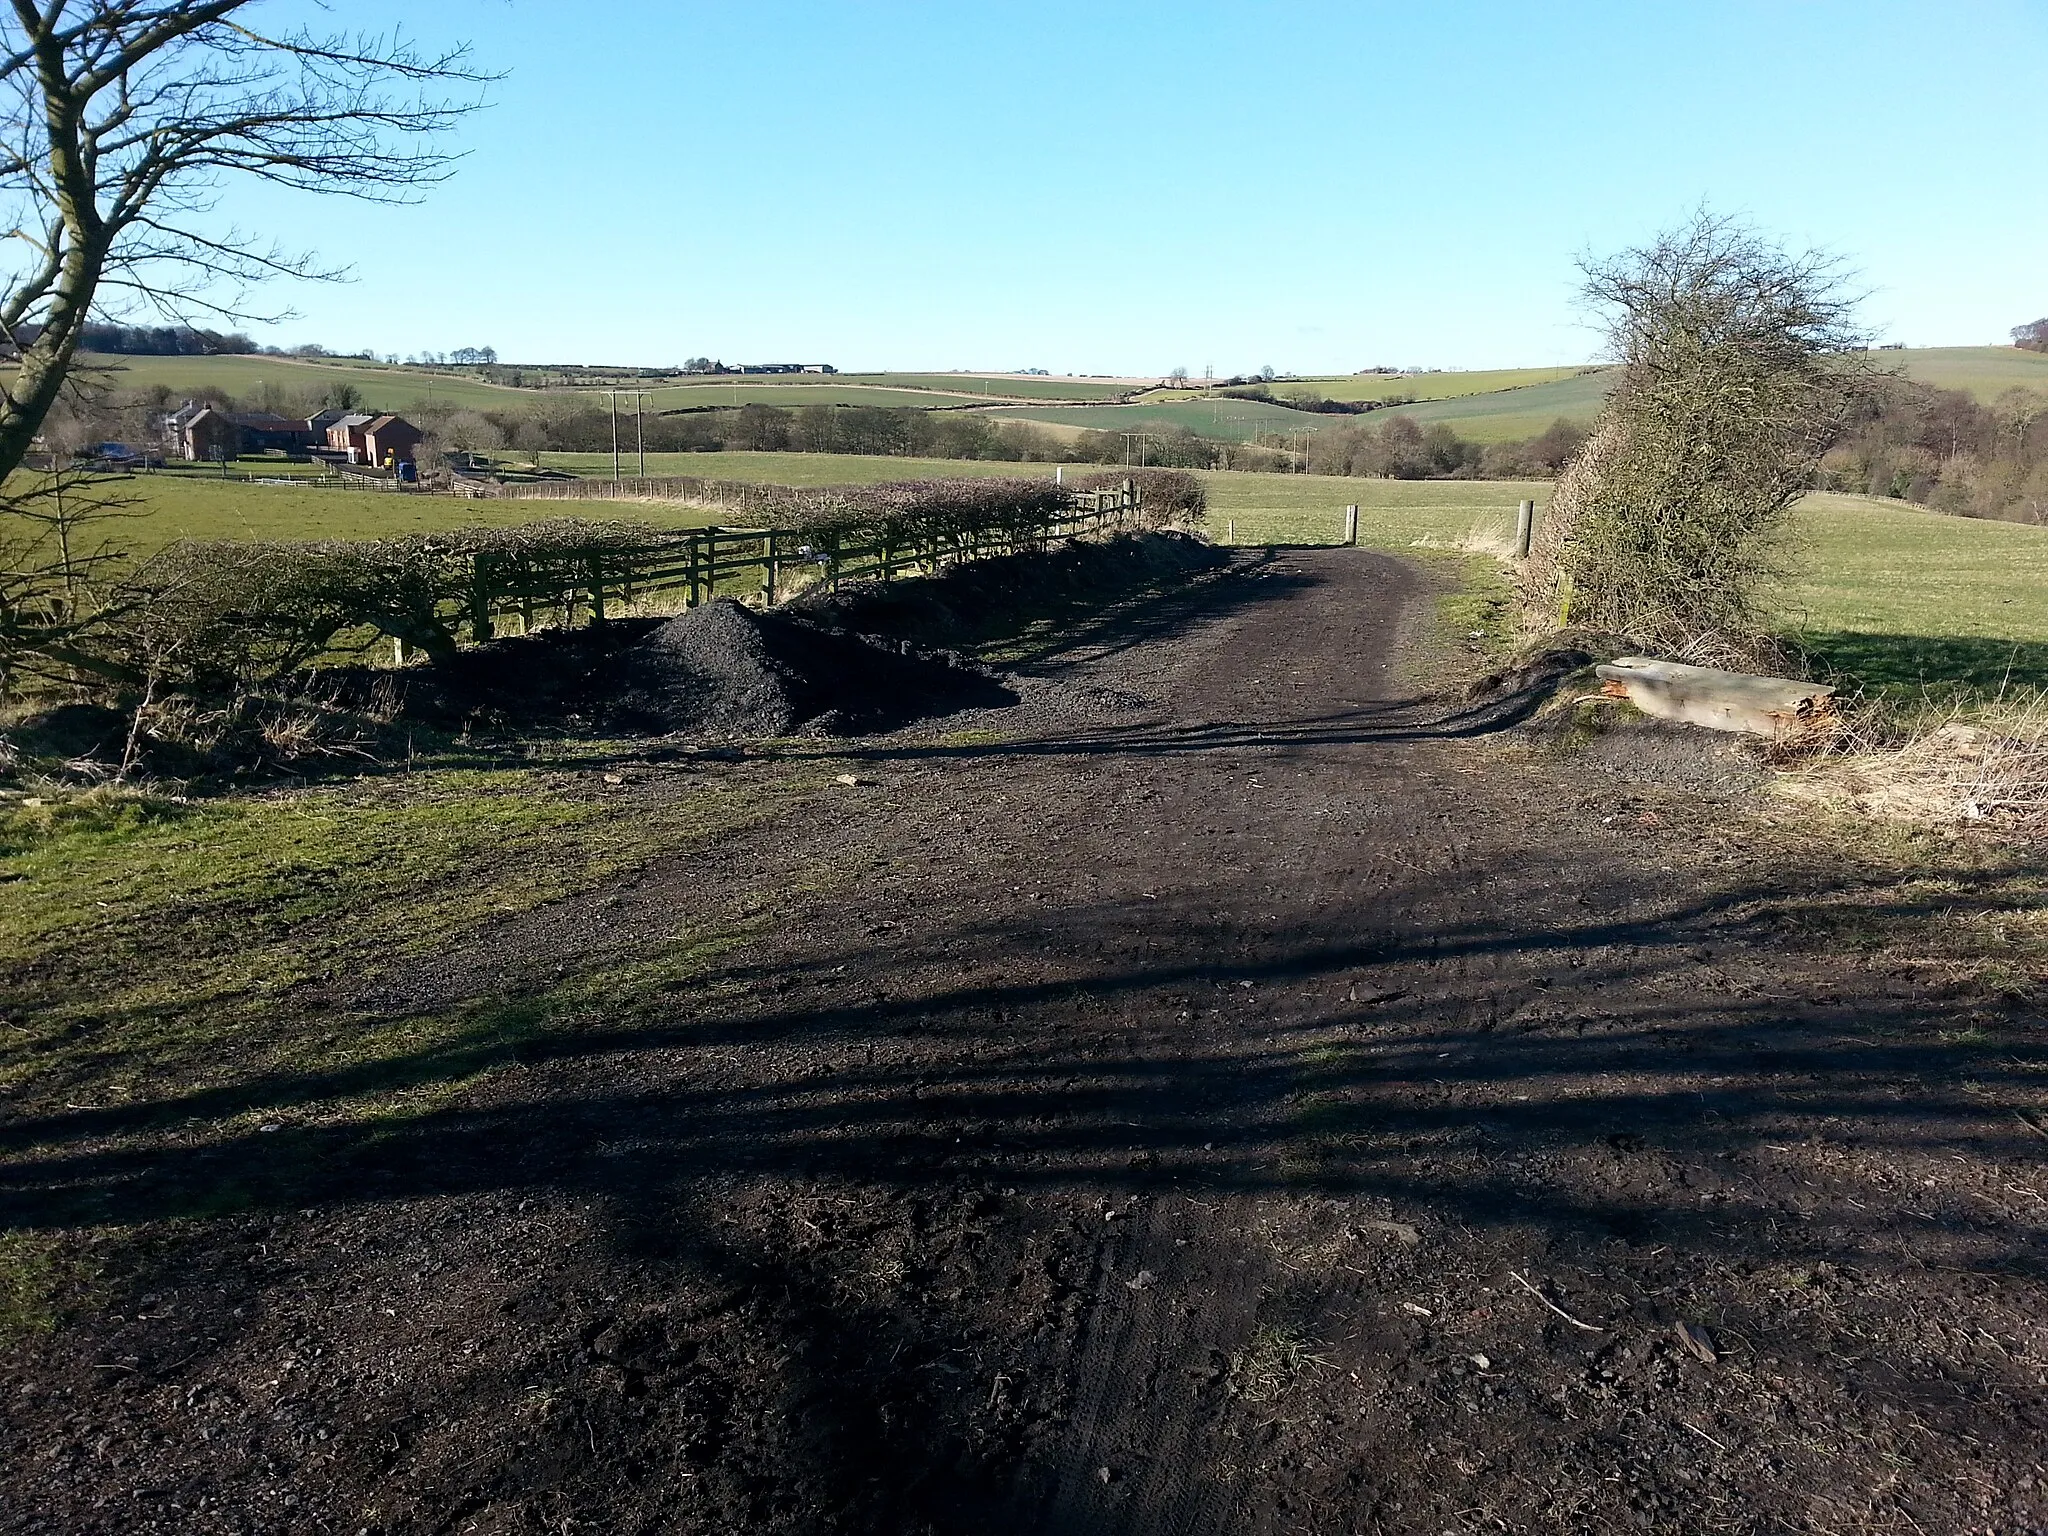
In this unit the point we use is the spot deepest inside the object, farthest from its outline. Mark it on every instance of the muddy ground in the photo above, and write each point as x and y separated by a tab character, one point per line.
1280	1103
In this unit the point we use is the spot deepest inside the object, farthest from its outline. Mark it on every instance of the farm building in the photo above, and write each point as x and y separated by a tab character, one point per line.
208	432
380	440
261	432
391	440
345	435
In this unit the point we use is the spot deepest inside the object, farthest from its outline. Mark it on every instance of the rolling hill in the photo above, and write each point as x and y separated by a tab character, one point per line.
382	387
1982	372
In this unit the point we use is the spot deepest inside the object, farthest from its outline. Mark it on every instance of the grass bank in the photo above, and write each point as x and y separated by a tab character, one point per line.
160	956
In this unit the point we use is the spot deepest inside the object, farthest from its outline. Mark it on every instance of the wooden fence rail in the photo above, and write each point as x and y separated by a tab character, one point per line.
768	564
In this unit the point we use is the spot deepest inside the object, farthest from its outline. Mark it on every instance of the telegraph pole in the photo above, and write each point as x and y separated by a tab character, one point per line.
615	436
640	428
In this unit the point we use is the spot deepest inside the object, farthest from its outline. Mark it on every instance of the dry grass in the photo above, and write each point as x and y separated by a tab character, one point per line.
1939	766
1482	538
1265	1368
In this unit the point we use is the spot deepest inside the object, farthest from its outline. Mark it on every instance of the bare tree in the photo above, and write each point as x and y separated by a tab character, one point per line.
1741	363
2017	410
119	124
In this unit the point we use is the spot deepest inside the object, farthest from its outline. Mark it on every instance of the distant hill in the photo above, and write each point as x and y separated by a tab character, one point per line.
1504	415
384	388
395	387
1489	406
1982	372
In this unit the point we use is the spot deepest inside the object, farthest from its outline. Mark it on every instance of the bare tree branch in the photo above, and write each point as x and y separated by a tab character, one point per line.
122	120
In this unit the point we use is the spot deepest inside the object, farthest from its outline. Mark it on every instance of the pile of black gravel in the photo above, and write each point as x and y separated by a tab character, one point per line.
726	670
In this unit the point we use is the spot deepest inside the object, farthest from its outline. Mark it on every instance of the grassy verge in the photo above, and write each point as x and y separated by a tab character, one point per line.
153	954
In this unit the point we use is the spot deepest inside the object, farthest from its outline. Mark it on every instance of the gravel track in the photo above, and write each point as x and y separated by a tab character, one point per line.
1273	1102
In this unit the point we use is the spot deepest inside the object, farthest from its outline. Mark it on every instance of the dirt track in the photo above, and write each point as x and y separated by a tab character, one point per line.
1286	1107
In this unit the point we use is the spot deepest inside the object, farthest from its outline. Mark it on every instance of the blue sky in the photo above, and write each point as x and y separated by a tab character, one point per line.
1115	187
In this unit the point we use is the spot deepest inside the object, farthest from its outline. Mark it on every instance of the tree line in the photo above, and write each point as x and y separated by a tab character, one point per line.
1943	449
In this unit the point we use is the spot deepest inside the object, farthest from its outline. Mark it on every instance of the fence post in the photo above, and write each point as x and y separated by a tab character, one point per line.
1525	529
1351	526
694	598
480	598
768	583
596	589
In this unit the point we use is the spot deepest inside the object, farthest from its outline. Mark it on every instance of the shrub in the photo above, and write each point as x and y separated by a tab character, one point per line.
1737	376
218	616
1165	496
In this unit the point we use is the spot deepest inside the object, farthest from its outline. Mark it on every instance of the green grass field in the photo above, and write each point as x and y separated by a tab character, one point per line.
1486	407
1232	421
1896	597
1984	372
793	396
1448	385
996	385
382	388
396	388
1514	413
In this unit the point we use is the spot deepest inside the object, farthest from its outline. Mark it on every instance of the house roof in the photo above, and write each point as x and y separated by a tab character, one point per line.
390	421
355	419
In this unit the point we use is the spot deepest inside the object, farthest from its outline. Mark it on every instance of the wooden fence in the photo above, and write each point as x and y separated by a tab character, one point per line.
768	564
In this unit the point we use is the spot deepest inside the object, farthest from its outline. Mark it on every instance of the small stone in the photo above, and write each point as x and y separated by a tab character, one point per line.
1697	1341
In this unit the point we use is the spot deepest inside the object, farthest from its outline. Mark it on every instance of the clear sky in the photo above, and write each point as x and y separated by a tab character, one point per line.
1122	186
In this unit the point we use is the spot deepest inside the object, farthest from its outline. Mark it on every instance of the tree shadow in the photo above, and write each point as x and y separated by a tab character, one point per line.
1939	666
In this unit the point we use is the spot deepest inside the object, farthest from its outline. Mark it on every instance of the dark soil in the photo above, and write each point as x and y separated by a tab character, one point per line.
1275	1103
870	657
969	602
725	670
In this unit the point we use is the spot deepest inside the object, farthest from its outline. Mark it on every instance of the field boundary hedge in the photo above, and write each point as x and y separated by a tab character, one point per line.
222	615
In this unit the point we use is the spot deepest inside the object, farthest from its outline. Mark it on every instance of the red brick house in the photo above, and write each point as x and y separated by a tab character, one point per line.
392	440
346	436
378	440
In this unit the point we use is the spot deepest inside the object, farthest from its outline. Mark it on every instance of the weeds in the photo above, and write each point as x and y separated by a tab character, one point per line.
1933	764
31	1274
1271	1363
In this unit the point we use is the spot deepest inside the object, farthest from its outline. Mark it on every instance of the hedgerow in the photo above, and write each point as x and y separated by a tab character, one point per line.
221	616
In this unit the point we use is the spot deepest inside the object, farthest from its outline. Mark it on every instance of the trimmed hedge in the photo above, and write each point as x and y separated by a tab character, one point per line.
217	616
